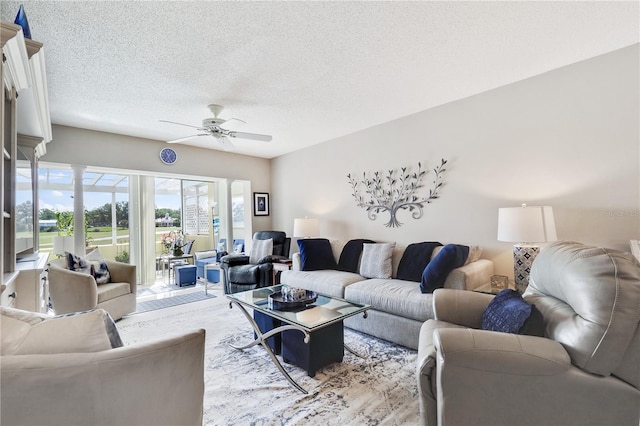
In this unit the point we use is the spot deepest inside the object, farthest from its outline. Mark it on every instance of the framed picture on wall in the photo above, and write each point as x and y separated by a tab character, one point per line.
261	204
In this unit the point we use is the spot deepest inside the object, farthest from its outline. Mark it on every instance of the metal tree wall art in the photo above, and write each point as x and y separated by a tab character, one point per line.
395	191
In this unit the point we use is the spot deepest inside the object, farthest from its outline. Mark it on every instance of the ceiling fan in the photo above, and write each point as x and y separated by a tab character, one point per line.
218	128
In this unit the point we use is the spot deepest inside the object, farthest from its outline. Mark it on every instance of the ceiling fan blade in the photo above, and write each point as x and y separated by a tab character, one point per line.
226	143
253	136
181	124
232	123
187	138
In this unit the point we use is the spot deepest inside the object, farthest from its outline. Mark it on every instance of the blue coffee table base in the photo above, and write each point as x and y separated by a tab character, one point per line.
325	347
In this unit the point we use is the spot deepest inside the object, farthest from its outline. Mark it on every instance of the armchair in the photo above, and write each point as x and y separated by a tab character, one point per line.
240	274
72	291
53	376
585	371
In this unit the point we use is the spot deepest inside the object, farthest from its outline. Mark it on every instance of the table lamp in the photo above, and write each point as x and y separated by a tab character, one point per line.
306	228
525	226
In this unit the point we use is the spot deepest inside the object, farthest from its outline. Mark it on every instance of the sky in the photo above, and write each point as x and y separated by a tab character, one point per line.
58	199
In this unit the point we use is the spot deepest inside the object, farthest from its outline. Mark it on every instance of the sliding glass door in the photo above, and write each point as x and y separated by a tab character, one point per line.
127	215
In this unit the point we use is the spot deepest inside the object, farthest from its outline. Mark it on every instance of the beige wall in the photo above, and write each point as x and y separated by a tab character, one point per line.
71	145
567	138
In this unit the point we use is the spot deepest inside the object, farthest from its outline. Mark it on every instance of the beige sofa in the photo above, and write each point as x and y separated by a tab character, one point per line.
72	291
63	371
585	371
398	307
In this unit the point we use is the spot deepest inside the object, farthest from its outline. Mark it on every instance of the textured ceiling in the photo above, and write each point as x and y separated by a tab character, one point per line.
304	72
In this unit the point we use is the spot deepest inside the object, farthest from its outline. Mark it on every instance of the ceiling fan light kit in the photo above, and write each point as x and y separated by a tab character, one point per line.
215	127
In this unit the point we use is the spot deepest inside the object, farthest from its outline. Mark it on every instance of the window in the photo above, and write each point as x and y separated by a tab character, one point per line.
197	214
106	209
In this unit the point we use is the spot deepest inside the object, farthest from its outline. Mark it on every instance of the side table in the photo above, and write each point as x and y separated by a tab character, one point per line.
279	267
211	267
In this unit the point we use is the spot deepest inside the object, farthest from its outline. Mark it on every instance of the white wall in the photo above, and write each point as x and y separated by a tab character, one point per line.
568	138
71	145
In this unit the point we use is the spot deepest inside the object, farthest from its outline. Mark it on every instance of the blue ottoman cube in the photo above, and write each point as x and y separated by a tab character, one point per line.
213	275
185	275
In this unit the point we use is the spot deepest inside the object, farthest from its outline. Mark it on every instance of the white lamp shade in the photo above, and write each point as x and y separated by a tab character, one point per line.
531	224
306	227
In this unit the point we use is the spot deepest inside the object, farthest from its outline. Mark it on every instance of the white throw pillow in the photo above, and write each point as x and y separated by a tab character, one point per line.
260	249
376	260
95	254
474	254
14	327
91	331
205	254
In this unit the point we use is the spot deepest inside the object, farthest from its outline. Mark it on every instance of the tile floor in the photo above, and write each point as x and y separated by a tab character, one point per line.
161	288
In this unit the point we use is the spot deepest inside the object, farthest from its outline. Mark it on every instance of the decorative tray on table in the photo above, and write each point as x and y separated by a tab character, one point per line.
284	302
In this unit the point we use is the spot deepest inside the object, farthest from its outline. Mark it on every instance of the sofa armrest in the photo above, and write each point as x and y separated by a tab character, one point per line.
297	262
460	307
71	291
125	381
500	353
470	276
234	260
123	273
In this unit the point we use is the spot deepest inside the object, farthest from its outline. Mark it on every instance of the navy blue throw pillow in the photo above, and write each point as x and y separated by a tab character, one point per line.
350	256
508	312
316	254
414	259
435	274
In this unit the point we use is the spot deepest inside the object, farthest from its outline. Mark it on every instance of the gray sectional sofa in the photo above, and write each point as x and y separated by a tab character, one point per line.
398	307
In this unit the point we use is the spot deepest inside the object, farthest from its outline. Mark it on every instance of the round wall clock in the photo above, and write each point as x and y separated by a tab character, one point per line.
168	155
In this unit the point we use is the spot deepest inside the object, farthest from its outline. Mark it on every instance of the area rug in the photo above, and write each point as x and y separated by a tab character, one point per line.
244	387
167	302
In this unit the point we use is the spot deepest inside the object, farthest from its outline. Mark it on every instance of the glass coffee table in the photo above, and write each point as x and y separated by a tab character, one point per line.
310	336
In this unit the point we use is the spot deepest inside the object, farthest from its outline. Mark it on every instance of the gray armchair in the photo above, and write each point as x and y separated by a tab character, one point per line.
72	291
241	275
585	371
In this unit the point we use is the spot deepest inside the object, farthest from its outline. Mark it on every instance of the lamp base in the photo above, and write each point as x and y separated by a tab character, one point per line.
523	256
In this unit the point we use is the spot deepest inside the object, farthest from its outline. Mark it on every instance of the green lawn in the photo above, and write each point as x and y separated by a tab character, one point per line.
99	235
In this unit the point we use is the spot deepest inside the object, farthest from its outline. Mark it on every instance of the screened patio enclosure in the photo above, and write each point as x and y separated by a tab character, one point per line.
126	214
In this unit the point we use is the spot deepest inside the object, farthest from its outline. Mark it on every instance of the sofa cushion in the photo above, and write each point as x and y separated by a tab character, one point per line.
396	297
260	249
350	255
415	258
448	258
316	254
112	290
593	293
376	260
90	331
508	312
328	281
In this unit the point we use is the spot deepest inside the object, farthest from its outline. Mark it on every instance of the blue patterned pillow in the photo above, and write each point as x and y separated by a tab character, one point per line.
508	312
316	254
91	266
